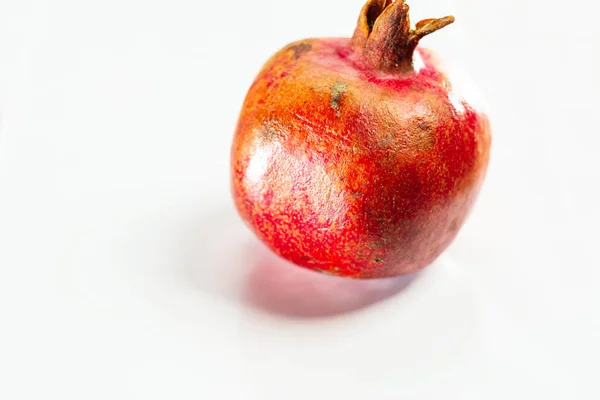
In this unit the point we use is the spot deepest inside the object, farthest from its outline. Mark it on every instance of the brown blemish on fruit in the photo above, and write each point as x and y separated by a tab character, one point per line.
337	92
424	135
454	225
300	48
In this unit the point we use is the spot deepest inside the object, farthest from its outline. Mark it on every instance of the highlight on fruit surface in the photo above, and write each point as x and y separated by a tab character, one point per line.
359	157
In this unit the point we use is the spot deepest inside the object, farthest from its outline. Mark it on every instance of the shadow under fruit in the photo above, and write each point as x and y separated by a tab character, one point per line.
276	287
358	156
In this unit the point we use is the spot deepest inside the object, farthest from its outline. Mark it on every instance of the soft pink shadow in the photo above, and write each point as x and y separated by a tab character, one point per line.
220	257
277	286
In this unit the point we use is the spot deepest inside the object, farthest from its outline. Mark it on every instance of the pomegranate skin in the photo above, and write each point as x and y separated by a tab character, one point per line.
355	167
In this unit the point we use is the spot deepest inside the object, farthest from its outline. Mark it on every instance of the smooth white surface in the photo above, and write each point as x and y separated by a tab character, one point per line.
125	273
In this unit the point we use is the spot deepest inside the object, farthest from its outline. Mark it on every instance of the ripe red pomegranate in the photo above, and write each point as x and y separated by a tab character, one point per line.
358	157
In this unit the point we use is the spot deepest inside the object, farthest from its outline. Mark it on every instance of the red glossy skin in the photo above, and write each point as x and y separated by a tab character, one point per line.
355	171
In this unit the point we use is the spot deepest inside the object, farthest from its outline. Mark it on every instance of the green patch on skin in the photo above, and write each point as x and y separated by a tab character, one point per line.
271	131
269	134
337	92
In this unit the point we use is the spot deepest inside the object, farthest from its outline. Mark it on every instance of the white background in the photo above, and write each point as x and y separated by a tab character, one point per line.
126	274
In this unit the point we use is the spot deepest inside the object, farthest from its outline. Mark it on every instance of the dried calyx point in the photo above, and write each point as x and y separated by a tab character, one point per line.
384	37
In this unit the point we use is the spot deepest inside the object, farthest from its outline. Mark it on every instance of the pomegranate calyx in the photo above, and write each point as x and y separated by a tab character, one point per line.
384	39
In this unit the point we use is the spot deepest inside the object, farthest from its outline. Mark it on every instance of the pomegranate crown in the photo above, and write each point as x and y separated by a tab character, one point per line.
384	37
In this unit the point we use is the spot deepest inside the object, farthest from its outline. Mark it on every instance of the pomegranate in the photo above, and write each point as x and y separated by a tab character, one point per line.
358	156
